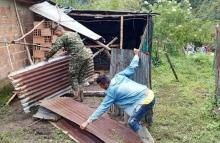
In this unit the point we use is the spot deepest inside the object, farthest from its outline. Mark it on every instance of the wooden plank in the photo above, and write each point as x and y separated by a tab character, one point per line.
104	128
121	32
121	58
217	60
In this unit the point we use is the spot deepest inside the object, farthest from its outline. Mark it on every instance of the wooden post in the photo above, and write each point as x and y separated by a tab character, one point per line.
22	32
121	32
171	65
217	63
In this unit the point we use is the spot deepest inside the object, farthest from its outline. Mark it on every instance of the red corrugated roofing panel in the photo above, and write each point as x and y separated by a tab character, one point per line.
75	132
104	128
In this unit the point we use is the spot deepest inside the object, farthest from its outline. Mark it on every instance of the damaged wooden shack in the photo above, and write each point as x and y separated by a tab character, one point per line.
45	82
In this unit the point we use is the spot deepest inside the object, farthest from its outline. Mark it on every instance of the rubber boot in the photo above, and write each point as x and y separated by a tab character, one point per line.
145	135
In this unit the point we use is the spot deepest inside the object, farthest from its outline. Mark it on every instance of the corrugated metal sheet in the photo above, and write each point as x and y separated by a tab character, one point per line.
75	132
104	128
40	81
55	14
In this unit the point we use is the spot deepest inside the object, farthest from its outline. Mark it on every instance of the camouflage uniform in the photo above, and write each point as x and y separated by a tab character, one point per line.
81	63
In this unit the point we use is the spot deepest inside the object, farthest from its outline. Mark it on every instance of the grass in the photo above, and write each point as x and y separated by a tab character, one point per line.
5	94
23	136
183	113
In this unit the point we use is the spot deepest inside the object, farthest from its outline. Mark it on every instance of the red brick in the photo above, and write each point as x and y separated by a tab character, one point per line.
9	29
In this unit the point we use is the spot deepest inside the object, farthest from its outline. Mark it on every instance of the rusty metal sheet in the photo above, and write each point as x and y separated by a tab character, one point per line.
42	80
104	128
75	132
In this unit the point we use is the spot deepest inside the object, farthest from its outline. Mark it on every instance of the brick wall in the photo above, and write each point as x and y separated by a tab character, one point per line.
9	30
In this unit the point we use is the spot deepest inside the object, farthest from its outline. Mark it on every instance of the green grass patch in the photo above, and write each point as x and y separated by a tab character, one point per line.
59	136
184	110
5	94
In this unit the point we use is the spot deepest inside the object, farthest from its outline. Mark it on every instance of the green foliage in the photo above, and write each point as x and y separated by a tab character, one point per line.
176	26
208	9
5	94
102	4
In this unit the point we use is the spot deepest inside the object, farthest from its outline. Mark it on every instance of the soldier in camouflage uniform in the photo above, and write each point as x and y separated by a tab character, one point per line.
81	63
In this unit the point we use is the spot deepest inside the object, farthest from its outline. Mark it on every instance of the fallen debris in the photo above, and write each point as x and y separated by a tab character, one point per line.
46	114
104	128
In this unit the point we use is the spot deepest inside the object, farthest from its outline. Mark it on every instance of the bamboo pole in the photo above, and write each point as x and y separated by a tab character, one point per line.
121	32
22	32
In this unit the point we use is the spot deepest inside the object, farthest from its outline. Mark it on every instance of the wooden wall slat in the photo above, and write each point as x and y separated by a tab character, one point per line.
217	60
121	58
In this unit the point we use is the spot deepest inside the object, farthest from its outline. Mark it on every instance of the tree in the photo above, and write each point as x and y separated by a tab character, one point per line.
176	26
209	10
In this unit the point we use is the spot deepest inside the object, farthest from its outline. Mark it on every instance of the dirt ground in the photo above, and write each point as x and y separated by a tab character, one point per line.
18	127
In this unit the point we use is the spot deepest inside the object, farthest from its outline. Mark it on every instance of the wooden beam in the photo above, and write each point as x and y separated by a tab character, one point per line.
103	45
110	16
93	93
109	44
217	65
106	50
98	46
121	32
